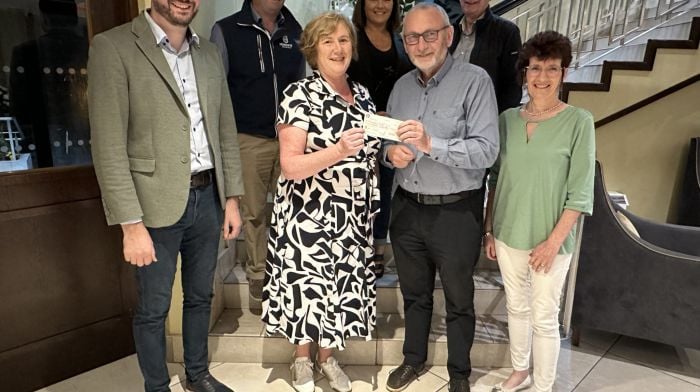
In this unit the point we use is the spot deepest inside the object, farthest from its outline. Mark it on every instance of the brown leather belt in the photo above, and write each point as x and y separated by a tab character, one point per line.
436	200
202	178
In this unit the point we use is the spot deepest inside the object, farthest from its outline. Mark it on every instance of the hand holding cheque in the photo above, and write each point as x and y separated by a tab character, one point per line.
409	132
382	127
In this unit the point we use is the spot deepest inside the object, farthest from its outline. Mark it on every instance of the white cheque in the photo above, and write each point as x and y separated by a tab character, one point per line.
382	127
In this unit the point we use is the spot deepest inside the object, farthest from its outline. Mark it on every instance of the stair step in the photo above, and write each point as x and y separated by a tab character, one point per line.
489	297
238	336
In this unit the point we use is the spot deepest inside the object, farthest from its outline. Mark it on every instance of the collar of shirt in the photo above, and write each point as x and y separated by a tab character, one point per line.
465	26
322	87
439	75
258	19
162	38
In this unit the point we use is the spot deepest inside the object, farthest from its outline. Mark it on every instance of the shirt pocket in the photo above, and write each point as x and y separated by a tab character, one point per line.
448	122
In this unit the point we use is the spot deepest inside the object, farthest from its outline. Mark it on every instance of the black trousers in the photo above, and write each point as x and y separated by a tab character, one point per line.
444	238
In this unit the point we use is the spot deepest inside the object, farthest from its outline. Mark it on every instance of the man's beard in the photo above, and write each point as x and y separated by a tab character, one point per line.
429	65
167	12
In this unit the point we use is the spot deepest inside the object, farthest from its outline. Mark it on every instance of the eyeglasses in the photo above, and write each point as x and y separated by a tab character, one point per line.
428	36
549	71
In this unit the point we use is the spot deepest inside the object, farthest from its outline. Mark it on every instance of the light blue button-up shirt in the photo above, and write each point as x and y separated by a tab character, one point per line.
458	109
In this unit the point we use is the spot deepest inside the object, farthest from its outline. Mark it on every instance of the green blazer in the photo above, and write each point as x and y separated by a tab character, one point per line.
140	126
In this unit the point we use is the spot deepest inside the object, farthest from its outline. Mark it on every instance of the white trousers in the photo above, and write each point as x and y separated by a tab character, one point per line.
532	301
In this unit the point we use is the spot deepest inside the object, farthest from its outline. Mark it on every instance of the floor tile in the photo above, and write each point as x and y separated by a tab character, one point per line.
373	378
617	374
600	339
575	362
602	362
254	377
119	376
481	380
658	356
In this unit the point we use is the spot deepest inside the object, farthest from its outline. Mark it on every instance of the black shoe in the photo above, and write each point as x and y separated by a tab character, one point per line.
402	376
206	383
378	266
459	385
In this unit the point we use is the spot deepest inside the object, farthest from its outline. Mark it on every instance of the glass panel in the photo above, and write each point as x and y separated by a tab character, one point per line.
43	84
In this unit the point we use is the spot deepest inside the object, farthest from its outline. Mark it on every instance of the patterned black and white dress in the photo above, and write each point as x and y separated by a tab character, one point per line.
319	284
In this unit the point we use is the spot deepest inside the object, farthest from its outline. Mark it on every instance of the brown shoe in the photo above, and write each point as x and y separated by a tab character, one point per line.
255	287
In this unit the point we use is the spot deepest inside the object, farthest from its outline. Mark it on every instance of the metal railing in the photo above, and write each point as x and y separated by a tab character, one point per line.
594	25
11	134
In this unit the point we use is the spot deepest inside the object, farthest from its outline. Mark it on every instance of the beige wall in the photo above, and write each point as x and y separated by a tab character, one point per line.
644	153
671	66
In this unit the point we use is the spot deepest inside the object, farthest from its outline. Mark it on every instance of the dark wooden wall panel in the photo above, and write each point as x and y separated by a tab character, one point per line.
67	295
45	362
64	271
45	187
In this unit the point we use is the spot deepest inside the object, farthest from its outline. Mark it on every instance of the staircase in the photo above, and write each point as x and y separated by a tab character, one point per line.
603	30
623	86
238	335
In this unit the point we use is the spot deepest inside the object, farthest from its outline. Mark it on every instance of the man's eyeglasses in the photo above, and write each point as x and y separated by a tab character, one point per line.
536	70
428	36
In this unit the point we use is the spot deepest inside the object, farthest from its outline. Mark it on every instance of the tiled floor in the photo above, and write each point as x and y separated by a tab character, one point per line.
603	362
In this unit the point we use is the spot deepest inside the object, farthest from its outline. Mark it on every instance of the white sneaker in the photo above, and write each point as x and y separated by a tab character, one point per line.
337	378
303	374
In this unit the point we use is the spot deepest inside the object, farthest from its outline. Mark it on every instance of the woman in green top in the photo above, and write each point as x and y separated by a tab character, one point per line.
541	183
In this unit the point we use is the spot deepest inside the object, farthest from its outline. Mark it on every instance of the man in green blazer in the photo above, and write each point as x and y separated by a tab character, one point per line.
166	156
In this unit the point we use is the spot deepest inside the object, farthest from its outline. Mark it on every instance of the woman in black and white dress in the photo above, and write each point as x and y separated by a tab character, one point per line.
319	284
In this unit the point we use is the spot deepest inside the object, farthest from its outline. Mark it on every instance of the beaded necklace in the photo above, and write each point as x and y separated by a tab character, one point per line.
540	113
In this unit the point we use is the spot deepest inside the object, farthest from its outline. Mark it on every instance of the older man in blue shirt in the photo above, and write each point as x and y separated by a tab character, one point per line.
449	138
